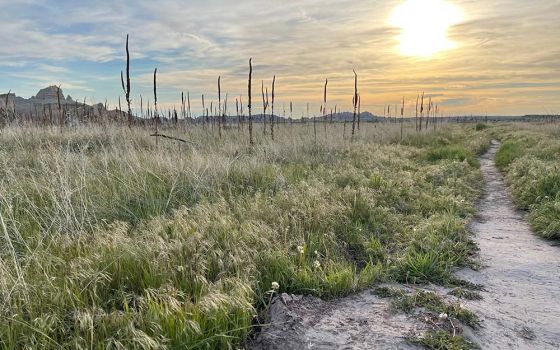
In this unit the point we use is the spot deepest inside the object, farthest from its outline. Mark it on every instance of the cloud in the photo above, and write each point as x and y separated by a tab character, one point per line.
507	51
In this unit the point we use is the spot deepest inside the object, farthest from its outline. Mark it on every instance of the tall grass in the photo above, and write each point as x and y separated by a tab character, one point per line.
109	241
530	157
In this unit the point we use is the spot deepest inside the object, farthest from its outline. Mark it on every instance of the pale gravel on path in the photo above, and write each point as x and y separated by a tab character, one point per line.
521	273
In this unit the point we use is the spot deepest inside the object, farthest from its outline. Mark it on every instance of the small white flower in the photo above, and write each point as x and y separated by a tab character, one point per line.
316	253
300	249
316	264
180	268
443	316
275	286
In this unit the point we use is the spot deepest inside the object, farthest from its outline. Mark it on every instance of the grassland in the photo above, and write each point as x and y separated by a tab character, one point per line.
112	241
530	157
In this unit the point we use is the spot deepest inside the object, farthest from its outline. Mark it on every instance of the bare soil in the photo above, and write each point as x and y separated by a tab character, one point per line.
520	309
521	273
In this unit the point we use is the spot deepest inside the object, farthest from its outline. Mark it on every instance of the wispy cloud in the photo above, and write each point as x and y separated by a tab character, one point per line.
506	60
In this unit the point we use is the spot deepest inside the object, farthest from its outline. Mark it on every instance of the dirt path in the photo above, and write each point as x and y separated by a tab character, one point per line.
520	309
521	273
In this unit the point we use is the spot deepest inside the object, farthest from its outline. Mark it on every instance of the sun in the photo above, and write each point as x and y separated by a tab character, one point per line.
424	25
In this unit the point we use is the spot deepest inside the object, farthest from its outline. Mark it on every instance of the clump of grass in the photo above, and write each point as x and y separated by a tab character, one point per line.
452	152
545	219
480	126
442	340
508	152
429	301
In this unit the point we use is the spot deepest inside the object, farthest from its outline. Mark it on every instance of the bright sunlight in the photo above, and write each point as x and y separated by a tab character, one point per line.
424	25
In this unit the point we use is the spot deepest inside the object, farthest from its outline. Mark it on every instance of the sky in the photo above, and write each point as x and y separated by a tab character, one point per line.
499	57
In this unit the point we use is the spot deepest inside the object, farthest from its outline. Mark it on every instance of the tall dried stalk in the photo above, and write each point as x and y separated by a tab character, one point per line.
428	115
355	103
141	107
264	106
402	117
416	115
272	110
421	113
291	113
219	107
237	114
126	88
156	115
359	110
61	114
324	108
189	105
203	113
249	105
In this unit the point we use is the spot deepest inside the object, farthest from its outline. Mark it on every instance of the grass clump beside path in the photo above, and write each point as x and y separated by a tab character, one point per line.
112	241
530	157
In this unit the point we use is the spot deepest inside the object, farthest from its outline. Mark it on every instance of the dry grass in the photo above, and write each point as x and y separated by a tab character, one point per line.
111	241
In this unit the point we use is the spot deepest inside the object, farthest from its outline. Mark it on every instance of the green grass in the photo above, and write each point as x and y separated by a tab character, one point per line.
113	242
430	301
441	340
530	159
452	152
508	152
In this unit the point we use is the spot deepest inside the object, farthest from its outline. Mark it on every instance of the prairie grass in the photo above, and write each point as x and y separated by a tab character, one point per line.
530	158
110	241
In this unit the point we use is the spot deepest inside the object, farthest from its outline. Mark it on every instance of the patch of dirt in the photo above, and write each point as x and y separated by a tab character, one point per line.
521	273
361	321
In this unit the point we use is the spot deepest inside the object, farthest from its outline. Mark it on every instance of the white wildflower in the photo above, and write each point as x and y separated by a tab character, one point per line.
443	316
316	264
300	249
180	268
275	286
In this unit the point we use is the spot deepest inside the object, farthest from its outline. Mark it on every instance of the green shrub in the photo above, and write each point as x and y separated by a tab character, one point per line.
480	127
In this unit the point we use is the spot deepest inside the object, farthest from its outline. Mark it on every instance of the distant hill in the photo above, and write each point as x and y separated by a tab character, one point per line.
46	97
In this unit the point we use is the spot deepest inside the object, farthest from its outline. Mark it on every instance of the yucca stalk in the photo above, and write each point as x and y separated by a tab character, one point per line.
219	107
237	114
291	113
359	110
189	105
264	106
156	116
325	101
126	89
421	113
402	118
428	115
355	103
251	142
416	115
59	108
272	110
203	115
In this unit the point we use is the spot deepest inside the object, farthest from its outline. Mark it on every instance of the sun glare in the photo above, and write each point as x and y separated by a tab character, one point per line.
424	25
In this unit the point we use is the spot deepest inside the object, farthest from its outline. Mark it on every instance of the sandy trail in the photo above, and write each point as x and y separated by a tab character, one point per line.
521	273
520	309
